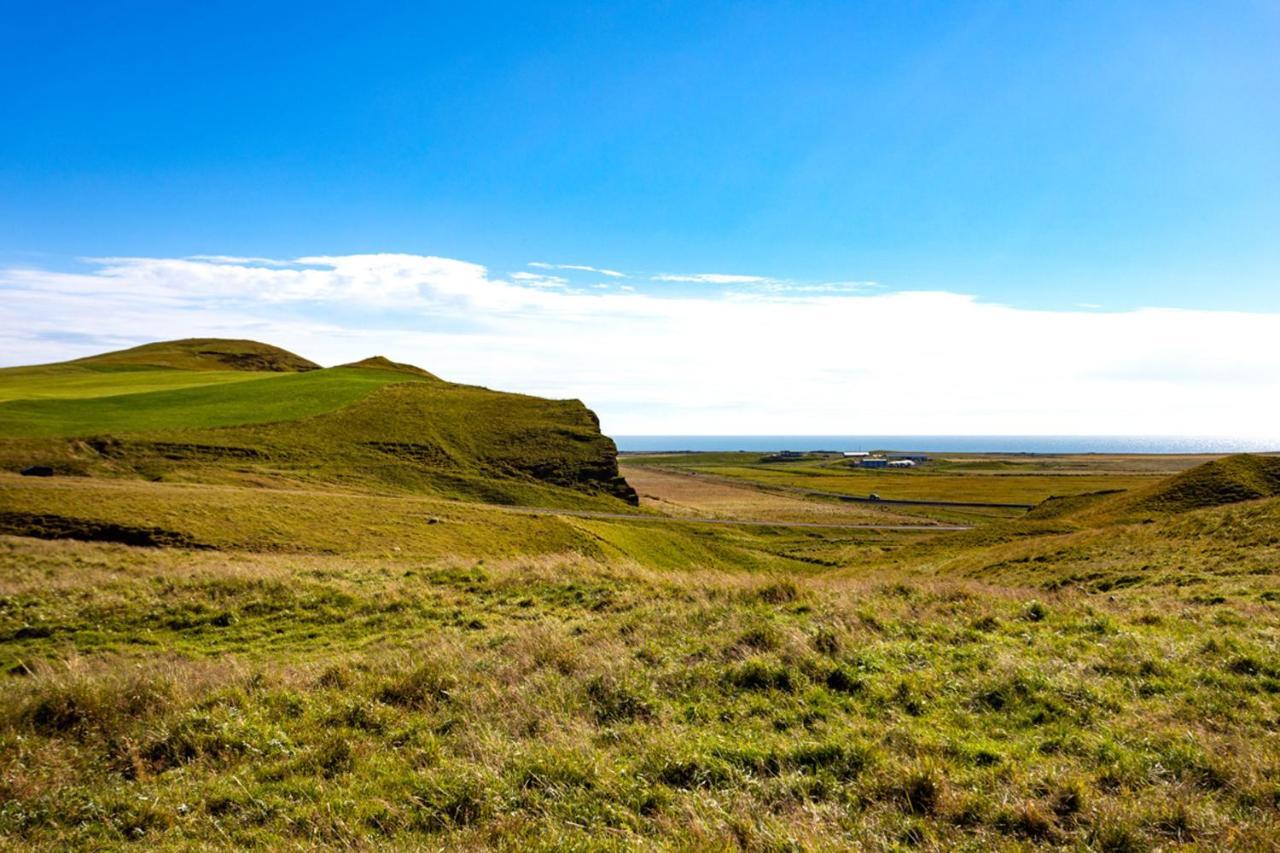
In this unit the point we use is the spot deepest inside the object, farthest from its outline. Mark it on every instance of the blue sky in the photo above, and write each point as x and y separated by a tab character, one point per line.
658	207
1042	154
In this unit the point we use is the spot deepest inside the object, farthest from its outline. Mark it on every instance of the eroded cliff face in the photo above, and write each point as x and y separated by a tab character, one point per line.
589	463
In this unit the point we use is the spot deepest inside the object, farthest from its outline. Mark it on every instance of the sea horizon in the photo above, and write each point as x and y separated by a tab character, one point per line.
948	443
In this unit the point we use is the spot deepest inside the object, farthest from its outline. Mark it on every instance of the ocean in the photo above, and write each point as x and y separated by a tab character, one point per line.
949	443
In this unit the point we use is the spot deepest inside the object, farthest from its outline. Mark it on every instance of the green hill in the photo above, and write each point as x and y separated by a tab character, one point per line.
1243	477
151	367
238	411
204	354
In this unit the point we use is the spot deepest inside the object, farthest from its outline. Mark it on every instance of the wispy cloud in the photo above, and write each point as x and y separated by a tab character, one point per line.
542	265
709	278
538	280
774	286
735	359
237	259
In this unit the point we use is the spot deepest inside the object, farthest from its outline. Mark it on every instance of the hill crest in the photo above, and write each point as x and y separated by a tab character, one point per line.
205	354
381	362
1232	479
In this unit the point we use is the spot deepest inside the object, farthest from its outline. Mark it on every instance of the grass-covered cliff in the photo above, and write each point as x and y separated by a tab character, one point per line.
239	411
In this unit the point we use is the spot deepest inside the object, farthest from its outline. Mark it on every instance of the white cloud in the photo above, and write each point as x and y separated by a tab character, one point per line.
580	267
735	360
709	278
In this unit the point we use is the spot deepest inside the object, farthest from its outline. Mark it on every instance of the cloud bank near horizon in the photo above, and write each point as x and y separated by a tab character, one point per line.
739	359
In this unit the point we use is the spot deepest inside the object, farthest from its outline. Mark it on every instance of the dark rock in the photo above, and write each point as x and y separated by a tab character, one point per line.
37	471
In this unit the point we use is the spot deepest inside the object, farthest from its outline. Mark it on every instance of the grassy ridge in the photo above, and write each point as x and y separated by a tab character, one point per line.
421	436
375	424
1233	479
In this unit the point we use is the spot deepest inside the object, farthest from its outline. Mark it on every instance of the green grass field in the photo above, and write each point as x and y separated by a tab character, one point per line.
58	383
385	622
264	399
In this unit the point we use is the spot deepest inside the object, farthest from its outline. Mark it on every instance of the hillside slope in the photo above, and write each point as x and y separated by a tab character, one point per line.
1242	477
375	423
1229	480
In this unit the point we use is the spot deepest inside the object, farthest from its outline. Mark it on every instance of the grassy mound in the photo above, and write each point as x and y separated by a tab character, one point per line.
1232	479
1242	477
205	354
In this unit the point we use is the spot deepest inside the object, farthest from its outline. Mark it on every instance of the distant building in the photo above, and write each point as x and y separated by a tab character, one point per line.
856	454
914	457
900	463
783	456
872	462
